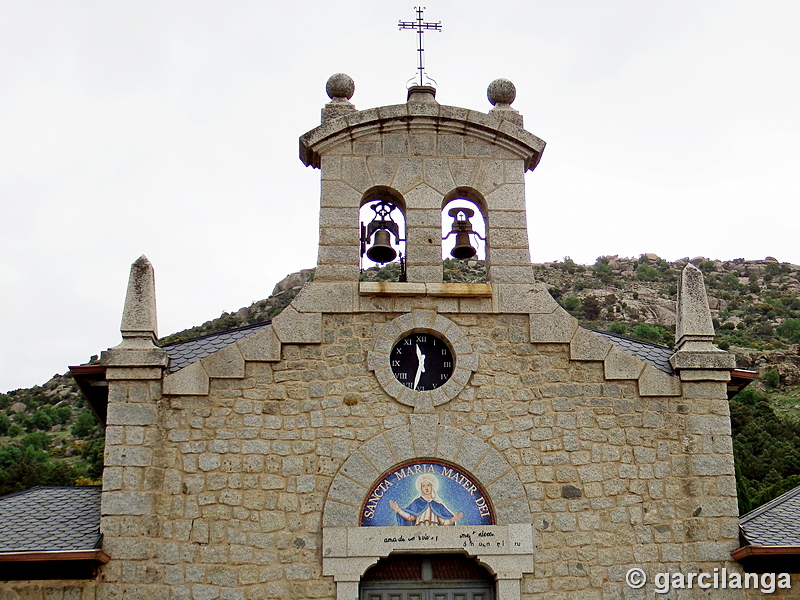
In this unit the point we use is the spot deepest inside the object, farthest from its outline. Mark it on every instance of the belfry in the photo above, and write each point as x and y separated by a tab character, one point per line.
411	438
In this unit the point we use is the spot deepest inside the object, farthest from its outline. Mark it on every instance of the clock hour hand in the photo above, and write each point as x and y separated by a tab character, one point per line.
420	367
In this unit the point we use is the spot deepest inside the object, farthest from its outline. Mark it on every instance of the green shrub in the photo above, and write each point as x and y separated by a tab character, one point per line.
645	272
85	425
572	303
591	308
706	266
617	327
790	330
647	332
772	378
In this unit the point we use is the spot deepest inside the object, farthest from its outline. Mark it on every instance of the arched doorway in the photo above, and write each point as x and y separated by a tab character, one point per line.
427	577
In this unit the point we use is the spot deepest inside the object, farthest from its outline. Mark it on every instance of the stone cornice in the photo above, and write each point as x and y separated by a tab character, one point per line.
422	118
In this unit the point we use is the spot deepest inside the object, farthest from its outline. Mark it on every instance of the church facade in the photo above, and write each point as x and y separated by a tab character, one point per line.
412	439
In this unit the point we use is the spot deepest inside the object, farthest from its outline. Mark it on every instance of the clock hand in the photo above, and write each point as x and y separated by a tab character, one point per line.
420	367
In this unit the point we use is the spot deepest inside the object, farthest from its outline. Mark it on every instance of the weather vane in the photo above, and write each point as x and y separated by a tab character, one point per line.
421	26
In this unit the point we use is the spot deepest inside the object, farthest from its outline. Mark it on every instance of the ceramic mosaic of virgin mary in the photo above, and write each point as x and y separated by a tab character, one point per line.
427	508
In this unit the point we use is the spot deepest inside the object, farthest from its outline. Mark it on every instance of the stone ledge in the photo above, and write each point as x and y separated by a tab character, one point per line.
684	359
404	288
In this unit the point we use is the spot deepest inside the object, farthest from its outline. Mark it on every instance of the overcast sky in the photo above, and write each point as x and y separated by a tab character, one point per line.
170	129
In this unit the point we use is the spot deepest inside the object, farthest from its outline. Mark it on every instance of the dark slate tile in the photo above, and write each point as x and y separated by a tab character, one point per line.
653	354
776	523
50	518
184	353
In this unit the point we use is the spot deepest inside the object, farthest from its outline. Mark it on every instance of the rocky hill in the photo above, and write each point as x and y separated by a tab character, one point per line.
49	435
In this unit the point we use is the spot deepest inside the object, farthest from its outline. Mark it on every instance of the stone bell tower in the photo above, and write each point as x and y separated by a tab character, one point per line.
419	156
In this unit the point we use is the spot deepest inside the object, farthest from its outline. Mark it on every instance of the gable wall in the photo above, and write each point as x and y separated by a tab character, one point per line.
223	495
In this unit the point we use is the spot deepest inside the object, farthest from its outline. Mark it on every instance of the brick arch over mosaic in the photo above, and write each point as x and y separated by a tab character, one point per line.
424	438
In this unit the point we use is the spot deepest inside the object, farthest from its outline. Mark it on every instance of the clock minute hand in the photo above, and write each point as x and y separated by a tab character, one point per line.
420	366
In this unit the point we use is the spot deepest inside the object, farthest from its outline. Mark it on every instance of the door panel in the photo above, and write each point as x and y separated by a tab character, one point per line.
415	591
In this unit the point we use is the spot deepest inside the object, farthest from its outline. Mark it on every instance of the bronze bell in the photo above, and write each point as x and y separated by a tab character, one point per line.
382	251
463	249
463	229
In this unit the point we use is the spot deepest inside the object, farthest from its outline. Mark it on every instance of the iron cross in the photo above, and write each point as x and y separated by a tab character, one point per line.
420	26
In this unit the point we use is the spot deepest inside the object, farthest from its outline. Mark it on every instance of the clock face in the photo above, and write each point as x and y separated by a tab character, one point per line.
422	361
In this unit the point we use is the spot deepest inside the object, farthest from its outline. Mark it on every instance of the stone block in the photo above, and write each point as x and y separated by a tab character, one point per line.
399	440
436	173
336	272
359	469
654	382
525	298
423	433
262	346
132	414
191	380
508	487
423	319
337	514
126	503
510	273
512	511
509	256
395	144
338	217
129	456
342	255
468	361
382	169
347	491
226	363
463	171
712	465
293	327
510	196
490	177
129	356
586	345
704	375
556	327
379	452
491	467
684	359
621	365
409	175
395	111
337	194
327	297
130	373
355	173
448	441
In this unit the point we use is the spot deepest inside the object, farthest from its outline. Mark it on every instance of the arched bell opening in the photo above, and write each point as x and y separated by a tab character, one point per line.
464	226
427	577
383	233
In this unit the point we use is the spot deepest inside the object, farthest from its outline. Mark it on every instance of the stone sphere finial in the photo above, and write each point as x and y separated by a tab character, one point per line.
340	85
501	91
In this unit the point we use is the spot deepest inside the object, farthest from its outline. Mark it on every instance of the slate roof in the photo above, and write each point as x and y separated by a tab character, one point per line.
50	518
182	354
776	523
656	355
